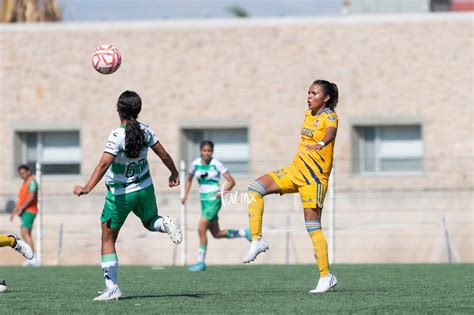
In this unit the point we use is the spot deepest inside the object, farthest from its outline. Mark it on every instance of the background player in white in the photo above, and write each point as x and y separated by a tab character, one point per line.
208	171
130	187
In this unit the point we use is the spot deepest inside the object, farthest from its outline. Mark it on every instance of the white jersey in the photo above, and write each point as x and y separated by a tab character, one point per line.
126	175
207	175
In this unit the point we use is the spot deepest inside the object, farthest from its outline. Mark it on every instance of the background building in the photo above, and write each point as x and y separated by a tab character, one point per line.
405	6
404	152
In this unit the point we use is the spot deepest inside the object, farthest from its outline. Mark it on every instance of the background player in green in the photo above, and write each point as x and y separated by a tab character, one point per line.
208	171
129	184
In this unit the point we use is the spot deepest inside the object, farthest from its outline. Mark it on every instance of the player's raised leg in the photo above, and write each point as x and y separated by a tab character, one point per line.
217	232
147	210
17	244
165	225
313	226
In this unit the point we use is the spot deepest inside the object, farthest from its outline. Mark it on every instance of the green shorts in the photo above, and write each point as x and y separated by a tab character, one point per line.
27	219
210	206
141	202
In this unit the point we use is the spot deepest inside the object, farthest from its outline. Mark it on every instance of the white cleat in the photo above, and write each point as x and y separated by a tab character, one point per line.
34	262
22	247
173	230
325	283
109	294
256	247
3	286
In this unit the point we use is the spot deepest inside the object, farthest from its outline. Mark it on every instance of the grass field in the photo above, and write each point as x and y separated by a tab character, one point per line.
242	289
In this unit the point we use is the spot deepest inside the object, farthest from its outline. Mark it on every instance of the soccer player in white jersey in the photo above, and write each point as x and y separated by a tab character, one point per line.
208	172
129	184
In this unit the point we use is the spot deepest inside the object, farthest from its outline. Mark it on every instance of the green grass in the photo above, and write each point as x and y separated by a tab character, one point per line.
242	289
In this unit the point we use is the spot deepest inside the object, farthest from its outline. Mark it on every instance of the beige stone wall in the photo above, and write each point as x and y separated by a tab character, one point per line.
388	69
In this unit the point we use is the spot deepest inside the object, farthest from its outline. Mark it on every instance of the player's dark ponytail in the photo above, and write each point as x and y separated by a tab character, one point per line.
331	90
129	106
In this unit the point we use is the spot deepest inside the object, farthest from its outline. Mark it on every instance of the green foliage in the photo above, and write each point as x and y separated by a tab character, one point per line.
238	11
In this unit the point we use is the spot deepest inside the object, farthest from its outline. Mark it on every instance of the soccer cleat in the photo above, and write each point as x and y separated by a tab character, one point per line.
325	283
173	230
3	286
248	235
200	266
22	247
256	247
109	294
34	262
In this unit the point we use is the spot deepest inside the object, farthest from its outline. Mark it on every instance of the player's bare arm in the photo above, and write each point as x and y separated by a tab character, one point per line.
99	172
169	163
330	136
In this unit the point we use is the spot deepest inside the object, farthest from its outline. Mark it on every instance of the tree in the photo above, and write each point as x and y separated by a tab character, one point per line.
238	11
29	11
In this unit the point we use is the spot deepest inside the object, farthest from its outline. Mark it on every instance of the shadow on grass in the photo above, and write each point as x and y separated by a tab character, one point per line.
151	296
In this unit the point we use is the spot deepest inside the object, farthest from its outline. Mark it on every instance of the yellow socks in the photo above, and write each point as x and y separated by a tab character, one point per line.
320	246
256	192
6	240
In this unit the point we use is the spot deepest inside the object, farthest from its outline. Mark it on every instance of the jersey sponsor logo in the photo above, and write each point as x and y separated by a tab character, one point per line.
307	132
204	175
315	125
309	200
332	118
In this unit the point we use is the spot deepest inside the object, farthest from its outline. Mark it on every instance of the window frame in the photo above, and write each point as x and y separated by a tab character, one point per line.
203	125
357	144
19	152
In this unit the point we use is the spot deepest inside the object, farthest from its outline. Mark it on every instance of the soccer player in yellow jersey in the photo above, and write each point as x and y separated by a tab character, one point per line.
308	175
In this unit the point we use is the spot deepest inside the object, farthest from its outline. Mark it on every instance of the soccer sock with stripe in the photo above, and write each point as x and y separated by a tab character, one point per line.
201	253
6	241
320	245
110	269
156	225
233	233
256	191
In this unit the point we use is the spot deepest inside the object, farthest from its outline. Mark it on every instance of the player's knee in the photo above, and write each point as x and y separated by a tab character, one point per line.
312	225
257	187
202	229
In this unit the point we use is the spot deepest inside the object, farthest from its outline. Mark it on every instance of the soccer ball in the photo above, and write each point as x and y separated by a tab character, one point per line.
3	286
106	59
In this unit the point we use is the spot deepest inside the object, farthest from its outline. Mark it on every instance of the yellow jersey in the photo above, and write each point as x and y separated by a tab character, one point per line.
310	167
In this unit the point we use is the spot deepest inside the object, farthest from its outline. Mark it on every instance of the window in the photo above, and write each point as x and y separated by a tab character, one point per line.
230	146
58	151
388	149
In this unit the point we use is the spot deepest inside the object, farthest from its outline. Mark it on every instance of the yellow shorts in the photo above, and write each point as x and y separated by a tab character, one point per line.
312	194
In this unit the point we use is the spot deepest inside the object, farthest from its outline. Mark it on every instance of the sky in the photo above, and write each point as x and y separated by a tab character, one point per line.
112	10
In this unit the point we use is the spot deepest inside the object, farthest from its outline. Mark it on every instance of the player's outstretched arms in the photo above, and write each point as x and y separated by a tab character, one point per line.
168	161
99	172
